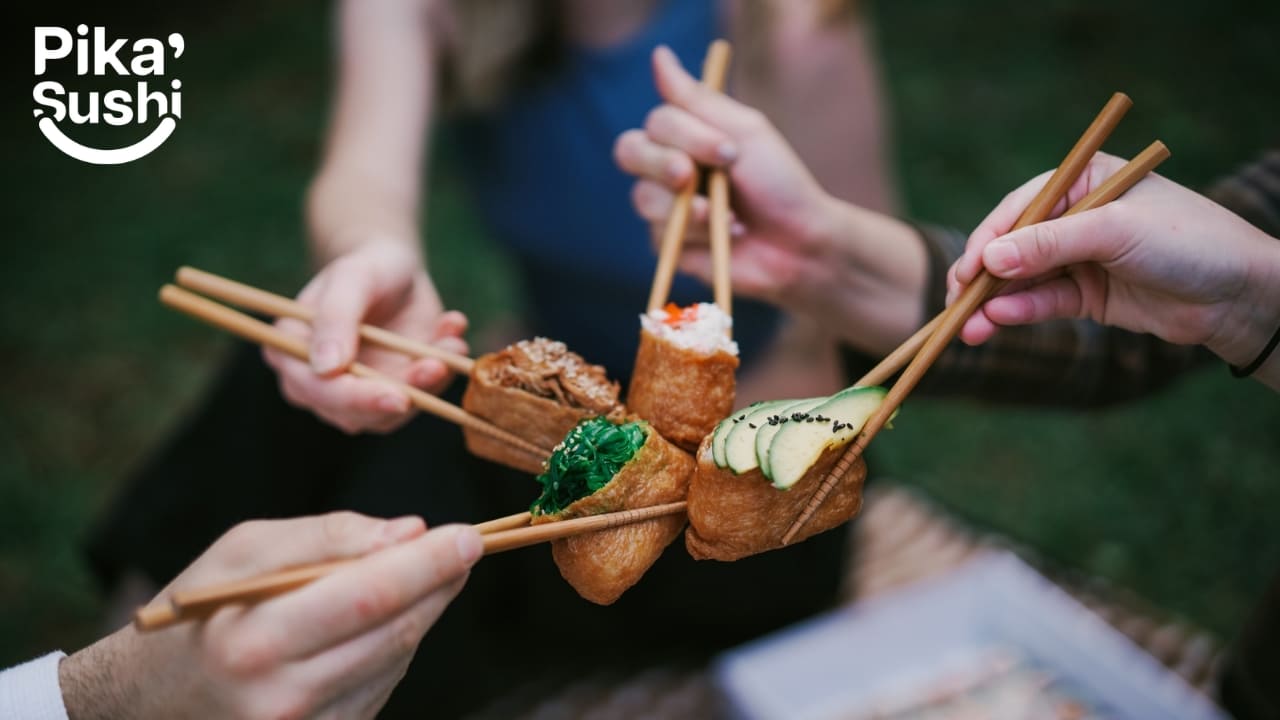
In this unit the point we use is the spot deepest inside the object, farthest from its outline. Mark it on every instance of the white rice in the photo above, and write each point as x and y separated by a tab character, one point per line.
706	334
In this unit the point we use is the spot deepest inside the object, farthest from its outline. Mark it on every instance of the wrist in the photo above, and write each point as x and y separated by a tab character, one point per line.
94	681
1253	316
868	276
331	246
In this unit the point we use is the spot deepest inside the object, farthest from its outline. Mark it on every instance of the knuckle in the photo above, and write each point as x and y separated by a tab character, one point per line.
625	146
245	657
659	119
754	119
346	425
376	600
290	392
245	535
407	633
643	200
1045	241
339	528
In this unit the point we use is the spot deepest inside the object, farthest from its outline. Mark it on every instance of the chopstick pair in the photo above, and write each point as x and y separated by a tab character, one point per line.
268	303
921	350
499	535
714	69
250	328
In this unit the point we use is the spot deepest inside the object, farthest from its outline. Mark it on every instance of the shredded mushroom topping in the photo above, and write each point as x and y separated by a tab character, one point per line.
547	369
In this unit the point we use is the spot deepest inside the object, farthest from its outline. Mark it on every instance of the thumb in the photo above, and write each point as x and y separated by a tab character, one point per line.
340	309
1093	236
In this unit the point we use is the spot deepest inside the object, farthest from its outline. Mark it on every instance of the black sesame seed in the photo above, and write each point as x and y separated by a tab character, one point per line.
751	425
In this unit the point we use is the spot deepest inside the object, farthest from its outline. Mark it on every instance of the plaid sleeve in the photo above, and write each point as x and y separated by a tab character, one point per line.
1253	193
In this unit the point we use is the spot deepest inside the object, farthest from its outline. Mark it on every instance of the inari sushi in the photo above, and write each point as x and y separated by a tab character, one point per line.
538	390
601	467
683	381
758	469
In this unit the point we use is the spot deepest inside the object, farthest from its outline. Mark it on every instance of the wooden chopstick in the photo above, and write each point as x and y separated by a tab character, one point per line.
503	540
714	69
718	197
951	320
268	303
198	603
510	522
249	328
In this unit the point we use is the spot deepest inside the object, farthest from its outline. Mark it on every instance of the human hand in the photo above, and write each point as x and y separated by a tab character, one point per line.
1161	259
334	648
383	284
858	272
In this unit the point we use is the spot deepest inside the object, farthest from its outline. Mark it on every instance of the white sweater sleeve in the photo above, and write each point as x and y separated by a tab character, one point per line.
30	691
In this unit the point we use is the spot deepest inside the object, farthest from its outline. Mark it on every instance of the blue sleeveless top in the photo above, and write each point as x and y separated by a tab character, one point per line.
544	181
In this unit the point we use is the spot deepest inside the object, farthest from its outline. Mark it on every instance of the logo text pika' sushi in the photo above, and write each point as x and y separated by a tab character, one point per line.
134	102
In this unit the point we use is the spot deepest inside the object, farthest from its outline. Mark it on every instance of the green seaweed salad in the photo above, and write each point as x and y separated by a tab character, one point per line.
591	454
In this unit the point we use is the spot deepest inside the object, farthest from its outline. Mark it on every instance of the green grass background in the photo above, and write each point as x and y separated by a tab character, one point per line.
1173	497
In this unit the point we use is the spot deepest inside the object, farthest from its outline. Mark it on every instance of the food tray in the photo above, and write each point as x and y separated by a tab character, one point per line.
867	658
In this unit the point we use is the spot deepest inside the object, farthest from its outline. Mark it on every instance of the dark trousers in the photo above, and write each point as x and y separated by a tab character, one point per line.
245	453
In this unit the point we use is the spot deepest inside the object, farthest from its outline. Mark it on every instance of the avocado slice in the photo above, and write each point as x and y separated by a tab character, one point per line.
797	446
740	446
721	433
767	432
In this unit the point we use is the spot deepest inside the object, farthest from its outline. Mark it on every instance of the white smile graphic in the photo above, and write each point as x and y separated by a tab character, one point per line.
107	157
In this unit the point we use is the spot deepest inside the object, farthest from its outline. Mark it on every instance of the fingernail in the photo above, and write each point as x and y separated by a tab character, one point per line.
327	357
737	229
470	546
393	403
727	152
951	297
1001	256
403	528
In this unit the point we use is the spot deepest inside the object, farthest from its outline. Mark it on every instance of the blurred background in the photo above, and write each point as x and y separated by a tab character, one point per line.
1172	498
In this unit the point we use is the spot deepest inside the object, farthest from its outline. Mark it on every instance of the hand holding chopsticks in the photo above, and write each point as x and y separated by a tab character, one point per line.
260	332
267	303
714	69
500	535
923	349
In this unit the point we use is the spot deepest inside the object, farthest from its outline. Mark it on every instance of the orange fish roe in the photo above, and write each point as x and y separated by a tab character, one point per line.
677	315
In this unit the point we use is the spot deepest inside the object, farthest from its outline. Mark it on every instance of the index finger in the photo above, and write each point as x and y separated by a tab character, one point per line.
681	89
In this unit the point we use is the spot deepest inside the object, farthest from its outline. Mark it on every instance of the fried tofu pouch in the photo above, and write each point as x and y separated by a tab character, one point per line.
603	565
682	392
732	516
537	390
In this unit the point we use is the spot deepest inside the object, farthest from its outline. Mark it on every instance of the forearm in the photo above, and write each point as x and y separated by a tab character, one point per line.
345	211
369	186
